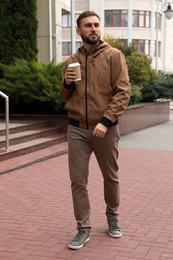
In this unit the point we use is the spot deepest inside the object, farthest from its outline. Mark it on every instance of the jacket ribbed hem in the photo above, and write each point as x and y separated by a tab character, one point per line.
76	123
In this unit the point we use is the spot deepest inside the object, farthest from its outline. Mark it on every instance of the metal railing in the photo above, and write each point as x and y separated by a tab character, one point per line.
6	118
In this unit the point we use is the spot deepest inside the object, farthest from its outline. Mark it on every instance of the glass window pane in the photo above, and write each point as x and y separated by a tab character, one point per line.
66	48
159	21
147	47
107	18
141	46
135	19
124	18
116	20
141	19
64	21
147	23
78	45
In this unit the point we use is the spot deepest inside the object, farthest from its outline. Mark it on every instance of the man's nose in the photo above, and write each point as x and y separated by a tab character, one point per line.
93	27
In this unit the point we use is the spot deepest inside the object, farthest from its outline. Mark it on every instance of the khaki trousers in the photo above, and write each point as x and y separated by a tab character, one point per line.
81	143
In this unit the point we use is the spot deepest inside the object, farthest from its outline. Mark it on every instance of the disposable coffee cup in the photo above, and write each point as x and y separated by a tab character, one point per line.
76	67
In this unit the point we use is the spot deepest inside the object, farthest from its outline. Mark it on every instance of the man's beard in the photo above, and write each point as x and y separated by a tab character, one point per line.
90	40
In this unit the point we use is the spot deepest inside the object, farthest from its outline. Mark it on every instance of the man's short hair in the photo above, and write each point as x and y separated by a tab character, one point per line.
84	15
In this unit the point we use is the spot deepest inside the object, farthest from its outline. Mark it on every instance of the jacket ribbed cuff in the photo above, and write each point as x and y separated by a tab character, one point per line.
106	122
66	86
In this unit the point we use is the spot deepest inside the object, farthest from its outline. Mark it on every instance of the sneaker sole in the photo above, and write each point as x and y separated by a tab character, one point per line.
115	235
78	247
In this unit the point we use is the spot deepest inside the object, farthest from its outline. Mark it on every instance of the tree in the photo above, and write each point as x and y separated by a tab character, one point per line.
18	30
140	71
120	44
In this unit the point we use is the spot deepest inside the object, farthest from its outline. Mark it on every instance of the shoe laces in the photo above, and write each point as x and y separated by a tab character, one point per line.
113	224
79	234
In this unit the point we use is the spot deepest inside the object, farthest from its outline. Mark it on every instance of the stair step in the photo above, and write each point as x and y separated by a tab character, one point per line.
28	159
31	146
28	135
16	127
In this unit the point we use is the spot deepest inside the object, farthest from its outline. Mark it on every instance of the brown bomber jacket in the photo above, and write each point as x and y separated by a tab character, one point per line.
103	93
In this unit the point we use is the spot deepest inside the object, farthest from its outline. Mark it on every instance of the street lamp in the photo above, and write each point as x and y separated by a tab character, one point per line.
168	14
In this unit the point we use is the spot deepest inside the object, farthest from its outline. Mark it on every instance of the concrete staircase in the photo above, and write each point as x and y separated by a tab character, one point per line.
29	135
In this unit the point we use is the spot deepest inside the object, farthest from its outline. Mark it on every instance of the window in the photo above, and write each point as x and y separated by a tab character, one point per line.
78	45
66	20
76	16
107	18
116	18
124	42
142	45
159	21
141	19
66	47
159	49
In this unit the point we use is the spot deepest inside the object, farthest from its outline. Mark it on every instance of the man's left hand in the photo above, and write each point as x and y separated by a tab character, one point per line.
100	130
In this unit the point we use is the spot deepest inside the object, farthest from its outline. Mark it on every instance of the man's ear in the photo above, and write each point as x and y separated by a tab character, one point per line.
78	31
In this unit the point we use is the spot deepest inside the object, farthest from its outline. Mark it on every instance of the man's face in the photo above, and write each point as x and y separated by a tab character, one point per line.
89	30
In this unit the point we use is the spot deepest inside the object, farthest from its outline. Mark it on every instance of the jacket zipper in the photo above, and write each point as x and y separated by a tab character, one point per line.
86	97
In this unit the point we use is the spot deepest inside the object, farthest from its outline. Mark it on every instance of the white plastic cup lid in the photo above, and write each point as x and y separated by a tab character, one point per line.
76	64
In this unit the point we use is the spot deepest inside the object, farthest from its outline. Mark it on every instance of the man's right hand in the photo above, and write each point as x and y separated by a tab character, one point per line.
69	76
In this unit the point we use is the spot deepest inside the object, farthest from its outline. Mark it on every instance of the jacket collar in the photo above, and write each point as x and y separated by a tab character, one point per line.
90	49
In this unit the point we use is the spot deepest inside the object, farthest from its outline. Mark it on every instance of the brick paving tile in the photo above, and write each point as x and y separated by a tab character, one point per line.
36	214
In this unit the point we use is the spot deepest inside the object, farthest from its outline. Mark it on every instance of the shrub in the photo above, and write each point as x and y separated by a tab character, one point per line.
136	95
32	86
161	88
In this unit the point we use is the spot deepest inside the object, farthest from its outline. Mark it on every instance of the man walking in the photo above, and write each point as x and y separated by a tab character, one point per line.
94	105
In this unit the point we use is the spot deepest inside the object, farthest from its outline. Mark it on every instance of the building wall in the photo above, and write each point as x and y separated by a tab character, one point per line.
61	5
49	36
50	42
168	47
165	35
43	30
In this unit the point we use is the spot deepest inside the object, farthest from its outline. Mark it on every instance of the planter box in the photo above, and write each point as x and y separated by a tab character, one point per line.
144	115
135	118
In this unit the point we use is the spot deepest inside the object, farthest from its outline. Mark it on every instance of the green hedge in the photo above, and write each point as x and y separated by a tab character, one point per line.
136	95
32	87
161	88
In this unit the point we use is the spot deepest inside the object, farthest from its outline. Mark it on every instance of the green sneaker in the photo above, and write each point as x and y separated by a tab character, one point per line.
80	239
114	230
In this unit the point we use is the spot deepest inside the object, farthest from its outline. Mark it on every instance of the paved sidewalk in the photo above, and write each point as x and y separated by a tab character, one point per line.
36	215
159	137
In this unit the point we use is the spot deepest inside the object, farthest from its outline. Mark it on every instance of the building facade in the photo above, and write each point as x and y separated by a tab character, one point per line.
141	23
49	37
